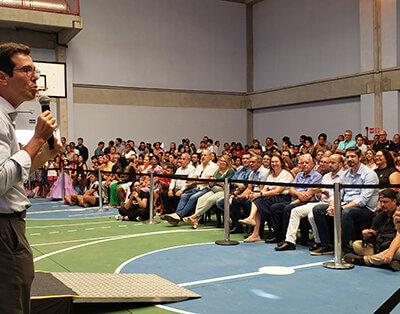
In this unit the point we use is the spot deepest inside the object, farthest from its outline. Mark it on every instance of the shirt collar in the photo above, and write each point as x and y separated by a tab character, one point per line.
8	109
338	174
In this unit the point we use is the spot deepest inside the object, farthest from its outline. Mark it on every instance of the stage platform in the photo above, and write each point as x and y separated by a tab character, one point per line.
61	289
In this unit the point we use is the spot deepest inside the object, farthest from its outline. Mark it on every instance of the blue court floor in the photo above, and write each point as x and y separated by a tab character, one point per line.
229	281
45	209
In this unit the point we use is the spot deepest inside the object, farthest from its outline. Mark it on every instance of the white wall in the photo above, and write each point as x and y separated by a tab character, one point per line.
332	117
150	124
303	40
180	44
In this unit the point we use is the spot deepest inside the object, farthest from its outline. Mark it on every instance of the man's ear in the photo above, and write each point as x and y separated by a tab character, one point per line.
3	78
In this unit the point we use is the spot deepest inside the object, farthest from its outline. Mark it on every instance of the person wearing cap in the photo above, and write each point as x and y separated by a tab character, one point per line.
381	243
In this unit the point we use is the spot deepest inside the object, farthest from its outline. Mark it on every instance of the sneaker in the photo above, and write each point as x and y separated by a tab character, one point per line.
323	250
286	246
395	265
118	217
354	259
315	246
173	219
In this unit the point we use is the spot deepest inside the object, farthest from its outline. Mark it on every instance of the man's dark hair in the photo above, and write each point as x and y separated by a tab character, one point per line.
210	141
80	138
101	142
111	143
7	50
119	139
353	149
246	153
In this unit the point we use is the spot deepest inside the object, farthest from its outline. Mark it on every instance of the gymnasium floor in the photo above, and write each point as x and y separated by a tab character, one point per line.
246	278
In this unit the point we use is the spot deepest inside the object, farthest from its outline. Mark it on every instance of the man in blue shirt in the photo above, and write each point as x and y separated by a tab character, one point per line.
359	204
240	197
347	143
280	212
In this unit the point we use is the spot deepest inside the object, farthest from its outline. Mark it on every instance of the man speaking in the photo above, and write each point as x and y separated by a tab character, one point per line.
18	77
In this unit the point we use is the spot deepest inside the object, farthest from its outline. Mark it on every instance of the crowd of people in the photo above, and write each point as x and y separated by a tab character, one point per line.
345	160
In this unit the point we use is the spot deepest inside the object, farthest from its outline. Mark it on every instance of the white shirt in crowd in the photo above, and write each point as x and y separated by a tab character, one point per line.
283	177
203	172
178	184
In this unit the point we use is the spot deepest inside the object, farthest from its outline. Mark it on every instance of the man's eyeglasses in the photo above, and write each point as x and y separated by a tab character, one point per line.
29	71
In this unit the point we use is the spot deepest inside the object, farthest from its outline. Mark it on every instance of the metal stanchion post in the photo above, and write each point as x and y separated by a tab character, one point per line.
62	184
227	240
100	180
151	221
337	262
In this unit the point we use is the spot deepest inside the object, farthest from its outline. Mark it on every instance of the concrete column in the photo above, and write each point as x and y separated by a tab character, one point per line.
62	103
250	127
390	100
249	70
378	50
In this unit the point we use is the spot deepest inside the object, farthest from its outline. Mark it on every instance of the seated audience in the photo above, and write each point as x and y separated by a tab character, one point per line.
346	143
359	204
136	207
263	199
241	197
370	159
383	142
381	243
195	189
176	187
322	196
209	199
79	184
280	212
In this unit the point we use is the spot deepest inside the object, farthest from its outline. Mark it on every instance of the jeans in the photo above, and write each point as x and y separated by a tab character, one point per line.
280	215
188	201
235	210
350	215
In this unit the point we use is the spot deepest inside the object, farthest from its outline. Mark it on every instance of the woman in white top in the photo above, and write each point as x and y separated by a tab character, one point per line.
360	144
262	200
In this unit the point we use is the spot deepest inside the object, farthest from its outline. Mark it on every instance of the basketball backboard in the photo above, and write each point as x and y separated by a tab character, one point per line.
53	78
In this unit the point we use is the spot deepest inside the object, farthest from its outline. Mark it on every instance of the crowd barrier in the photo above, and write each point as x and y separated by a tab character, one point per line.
337	262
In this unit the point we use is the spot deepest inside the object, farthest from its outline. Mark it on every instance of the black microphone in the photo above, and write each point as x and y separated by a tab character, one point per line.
45	103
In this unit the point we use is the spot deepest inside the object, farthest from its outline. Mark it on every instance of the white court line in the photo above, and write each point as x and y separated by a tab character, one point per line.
307	265
57	211
106	239
71	241
54	232
199	282
72	230
80	224
173	310
107	227
119	268
35	234
89	228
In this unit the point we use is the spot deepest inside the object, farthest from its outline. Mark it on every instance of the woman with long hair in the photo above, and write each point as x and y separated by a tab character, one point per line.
209	199
370	159
262	200
386	168
79	184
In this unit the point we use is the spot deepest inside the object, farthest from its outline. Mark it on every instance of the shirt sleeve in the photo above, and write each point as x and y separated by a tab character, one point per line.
363	198
15	168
